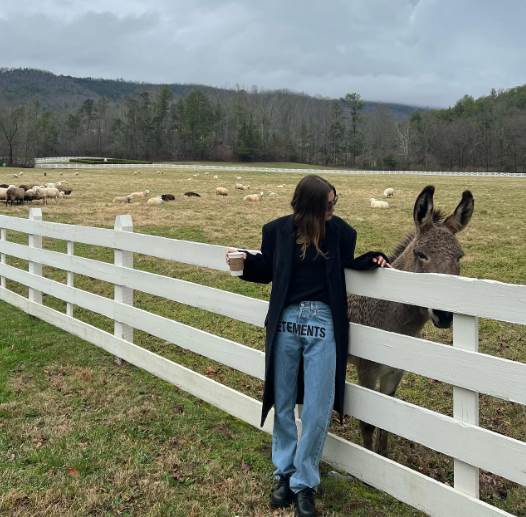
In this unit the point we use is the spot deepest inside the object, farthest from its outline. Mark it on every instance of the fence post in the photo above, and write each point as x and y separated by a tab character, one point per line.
35	241
3	237
466	402
69	306
123	223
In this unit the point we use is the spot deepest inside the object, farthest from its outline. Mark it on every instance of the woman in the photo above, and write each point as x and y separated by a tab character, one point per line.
304	255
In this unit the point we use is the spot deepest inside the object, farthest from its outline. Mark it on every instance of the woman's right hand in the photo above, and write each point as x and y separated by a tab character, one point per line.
227	251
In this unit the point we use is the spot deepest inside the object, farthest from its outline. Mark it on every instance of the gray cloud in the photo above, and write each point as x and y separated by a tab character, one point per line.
428	52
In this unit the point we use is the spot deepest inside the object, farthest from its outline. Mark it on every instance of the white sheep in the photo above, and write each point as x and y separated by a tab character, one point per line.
50	193
378	204
142	194
240	186
253	198
389	192
238	177
221	191
122	199
216	176
37	193
281	186
155	201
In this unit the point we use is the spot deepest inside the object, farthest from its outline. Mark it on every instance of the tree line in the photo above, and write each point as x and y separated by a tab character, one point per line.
475	134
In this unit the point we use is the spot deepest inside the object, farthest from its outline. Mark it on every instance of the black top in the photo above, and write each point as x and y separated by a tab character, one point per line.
308	279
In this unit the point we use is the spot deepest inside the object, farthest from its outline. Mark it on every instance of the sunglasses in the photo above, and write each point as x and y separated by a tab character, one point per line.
332	204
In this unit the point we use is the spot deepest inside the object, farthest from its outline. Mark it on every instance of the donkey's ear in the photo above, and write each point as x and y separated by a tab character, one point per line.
423	210
460	218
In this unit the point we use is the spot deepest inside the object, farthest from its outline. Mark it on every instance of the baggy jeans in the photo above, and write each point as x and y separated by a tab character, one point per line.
305	330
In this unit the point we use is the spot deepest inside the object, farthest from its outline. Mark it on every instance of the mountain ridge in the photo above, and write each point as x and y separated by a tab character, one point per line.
22	85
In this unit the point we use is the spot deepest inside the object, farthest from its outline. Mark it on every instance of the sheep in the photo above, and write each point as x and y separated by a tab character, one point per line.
4	185
167	197
155	201
240	186
238	177
281	186
221	191
253	198
378	204
67	191
28	196
14	194
25	187
142	194
51	193
36	193
192	194
216	176
389	192
122	199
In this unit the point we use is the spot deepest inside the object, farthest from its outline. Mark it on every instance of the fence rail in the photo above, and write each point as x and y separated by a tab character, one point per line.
469	371
63	163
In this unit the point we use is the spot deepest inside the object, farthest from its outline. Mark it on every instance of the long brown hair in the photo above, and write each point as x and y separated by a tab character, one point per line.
310	204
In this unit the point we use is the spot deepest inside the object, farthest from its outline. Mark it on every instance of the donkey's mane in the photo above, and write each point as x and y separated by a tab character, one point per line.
438	217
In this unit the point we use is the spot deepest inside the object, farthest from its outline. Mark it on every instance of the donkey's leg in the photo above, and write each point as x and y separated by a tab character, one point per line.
367	377
388	385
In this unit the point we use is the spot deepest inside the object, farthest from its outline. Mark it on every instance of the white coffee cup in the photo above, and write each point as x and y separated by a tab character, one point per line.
236	262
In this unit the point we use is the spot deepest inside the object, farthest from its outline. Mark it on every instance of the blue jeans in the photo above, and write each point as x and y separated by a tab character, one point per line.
305	330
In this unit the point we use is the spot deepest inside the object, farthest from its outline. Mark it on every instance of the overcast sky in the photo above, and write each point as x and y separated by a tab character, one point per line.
423	52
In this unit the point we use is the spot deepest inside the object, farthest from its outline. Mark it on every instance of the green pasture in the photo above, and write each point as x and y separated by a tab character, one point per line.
80	435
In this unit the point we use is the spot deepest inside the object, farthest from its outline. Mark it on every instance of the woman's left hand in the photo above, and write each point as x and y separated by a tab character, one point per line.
381	262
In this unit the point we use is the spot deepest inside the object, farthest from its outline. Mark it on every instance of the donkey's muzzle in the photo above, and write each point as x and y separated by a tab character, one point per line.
441	319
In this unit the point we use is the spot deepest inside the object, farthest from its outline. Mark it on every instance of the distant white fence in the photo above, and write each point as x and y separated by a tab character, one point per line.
461	365
62	162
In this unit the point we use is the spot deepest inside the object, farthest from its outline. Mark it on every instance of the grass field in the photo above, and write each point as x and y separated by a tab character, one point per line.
81	436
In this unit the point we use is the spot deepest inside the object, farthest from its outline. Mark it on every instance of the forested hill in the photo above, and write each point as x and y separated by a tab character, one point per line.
42	114
21	85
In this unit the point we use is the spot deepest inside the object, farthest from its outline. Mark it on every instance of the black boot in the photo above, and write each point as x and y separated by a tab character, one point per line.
305	503
282	495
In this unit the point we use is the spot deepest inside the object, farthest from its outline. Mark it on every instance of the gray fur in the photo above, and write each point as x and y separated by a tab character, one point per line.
433	248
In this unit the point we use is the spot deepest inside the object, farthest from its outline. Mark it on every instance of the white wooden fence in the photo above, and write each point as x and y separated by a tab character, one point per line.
461	365
62	162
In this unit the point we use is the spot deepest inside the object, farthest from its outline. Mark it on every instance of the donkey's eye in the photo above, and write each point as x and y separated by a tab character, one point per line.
420	255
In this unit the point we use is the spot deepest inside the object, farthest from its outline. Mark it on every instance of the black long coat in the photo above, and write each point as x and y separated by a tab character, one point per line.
274	264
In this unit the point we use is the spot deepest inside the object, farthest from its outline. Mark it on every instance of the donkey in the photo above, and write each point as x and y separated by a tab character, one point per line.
433	248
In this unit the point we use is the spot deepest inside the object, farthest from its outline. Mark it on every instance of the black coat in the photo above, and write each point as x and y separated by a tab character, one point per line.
274	264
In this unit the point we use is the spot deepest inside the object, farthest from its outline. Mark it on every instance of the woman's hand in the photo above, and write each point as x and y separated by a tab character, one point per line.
381	262
227	251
